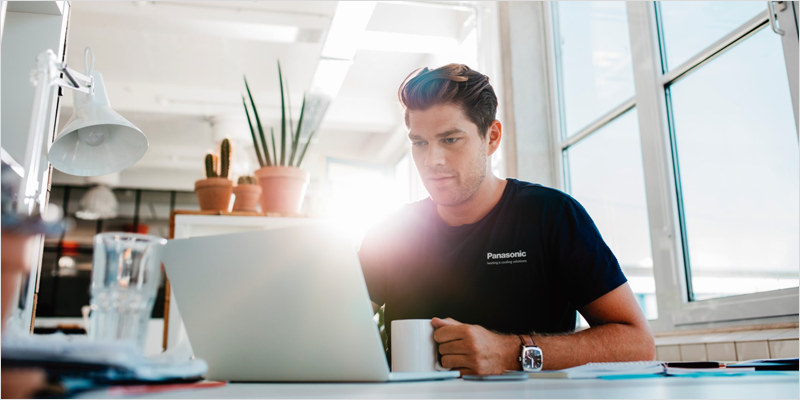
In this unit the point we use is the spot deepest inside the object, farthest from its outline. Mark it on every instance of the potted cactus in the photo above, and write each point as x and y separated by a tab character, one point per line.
248	194
282	181
214	192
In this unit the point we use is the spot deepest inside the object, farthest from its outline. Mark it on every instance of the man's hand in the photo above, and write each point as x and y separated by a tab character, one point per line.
473	349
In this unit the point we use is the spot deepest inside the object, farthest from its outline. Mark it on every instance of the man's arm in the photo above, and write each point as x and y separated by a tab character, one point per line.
619	332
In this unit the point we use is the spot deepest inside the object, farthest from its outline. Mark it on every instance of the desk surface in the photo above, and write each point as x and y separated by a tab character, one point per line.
784	385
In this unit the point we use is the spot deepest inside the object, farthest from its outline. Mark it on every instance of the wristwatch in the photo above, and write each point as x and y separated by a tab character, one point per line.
531	355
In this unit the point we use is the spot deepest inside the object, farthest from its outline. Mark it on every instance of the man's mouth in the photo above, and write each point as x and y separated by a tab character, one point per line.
439	178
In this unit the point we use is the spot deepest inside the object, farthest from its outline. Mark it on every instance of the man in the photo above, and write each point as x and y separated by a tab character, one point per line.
493	262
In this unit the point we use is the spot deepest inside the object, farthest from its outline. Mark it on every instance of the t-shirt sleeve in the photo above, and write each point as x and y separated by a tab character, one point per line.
587	269
372	256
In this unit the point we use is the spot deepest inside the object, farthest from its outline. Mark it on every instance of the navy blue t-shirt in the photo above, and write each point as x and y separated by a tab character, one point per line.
527	266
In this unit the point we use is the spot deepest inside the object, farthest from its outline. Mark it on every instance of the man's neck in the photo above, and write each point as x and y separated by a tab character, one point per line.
471	211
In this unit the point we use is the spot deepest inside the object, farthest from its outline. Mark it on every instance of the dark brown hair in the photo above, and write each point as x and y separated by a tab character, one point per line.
455	84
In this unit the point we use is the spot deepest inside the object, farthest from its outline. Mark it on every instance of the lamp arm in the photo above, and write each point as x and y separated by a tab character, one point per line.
72	83
45	78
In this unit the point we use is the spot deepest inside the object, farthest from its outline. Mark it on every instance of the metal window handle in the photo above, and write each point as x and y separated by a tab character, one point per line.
771	13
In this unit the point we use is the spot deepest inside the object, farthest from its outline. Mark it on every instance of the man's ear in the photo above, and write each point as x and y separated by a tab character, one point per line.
494	134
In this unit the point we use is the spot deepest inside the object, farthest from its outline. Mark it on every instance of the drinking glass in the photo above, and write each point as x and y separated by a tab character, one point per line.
126	272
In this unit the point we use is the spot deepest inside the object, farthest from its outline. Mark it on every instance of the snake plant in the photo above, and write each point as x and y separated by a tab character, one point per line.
287	157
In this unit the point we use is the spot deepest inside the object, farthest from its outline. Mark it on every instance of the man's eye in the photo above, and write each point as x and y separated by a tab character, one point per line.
451	140
418	144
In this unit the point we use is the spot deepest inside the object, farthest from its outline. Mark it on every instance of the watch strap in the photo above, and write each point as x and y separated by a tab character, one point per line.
527	341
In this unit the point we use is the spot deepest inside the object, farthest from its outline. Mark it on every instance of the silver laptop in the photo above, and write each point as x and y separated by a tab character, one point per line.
280	305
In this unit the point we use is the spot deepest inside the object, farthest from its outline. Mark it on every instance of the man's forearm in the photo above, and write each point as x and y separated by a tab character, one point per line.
475	350
604	343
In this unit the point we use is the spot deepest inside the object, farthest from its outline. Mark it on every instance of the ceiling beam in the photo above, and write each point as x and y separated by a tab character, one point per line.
349	22
168	11
201	27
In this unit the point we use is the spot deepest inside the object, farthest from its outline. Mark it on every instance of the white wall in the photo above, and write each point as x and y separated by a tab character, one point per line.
525	67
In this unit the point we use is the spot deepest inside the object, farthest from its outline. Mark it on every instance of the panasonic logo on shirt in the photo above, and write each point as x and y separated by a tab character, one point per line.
501	256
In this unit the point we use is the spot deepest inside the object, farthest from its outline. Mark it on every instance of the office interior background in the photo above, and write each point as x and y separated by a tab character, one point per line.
683	149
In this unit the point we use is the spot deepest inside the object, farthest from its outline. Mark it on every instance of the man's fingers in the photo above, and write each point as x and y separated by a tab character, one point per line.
456	361
439	322
448	333
454	347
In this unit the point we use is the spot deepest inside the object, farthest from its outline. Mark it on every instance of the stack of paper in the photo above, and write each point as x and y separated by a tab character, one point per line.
107	361
621	370
596	370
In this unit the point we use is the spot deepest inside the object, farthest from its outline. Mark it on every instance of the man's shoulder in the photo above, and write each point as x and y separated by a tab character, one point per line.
529	194
551	204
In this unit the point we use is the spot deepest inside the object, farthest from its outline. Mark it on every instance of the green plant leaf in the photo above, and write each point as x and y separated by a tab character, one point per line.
297	135
253	133
283	117
258	121
272	132
303	154
289	111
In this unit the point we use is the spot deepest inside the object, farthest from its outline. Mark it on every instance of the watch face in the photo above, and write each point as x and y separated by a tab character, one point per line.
532	359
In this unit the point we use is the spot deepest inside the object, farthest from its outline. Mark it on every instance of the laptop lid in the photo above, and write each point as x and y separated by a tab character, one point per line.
285	304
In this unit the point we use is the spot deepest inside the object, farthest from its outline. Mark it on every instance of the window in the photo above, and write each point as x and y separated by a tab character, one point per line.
738	162
606	176
684	150
727	86
595	60
691	26
601	149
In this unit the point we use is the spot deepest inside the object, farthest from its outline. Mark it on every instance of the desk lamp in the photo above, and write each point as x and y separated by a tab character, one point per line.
95	141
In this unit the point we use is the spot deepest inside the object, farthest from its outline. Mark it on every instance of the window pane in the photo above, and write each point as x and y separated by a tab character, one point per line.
606	176
596	73
738	158
691	26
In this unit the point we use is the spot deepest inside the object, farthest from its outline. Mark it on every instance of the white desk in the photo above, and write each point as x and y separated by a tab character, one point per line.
755	387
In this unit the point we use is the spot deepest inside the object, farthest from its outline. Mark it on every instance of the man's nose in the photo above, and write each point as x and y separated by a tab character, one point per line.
435	156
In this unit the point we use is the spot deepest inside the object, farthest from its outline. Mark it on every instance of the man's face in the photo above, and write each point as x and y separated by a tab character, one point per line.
450	154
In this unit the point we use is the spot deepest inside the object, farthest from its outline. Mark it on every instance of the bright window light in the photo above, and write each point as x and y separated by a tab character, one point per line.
358	196
329	76
406	43
349	21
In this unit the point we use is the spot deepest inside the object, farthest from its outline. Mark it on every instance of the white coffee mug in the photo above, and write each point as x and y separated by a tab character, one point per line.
413	347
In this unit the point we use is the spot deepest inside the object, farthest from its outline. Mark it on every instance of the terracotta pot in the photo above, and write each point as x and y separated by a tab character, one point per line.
214	194
247	197
283	189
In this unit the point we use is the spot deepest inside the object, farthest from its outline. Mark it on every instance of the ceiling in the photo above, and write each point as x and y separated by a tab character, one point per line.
175	70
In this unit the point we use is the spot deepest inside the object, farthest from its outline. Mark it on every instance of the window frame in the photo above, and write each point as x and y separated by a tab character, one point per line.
562	140
662	179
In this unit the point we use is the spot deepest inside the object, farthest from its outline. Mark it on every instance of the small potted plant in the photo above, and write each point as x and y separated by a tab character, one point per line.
248	194
282	181
214	192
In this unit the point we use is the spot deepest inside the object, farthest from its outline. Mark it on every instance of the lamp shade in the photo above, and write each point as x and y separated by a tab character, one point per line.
96	140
